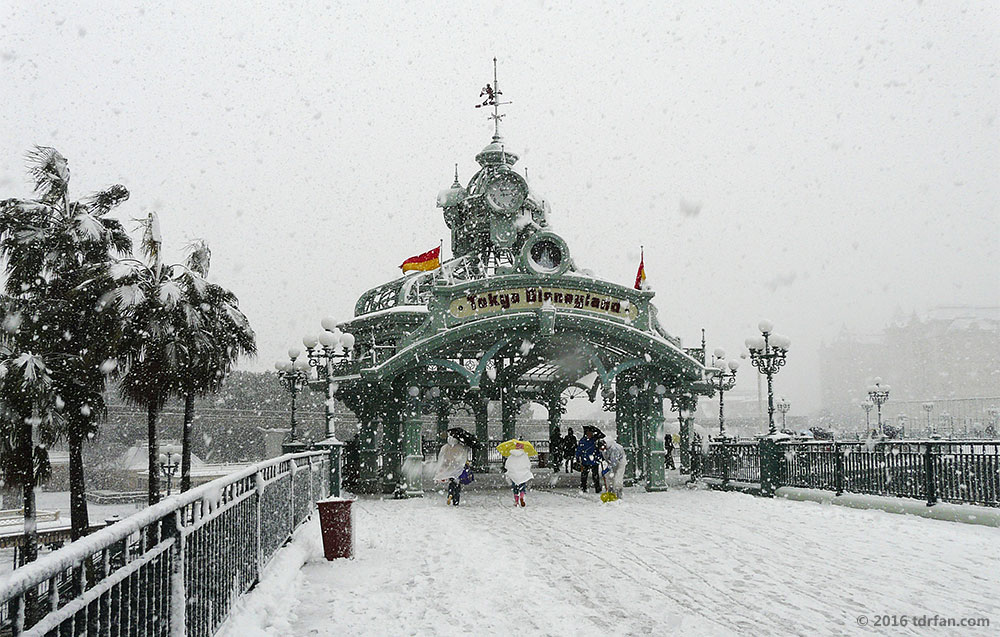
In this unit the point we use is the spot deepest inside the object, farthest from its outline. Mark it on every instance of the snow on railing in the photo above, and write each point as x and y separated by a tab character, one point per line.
174	568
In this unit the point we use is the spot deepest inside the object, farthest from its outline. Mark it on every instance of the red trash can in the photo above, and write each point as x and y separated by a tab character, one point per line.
336	522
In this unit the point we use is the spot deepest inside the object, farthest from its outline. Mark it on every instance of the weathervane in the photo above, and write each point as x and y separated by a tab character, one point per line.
492	95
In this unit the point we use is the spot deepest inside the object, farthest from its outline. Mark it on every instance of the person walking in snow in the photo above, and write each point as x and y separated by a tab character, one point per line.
668	450
569	449
452	461
518	471
588	458
615	459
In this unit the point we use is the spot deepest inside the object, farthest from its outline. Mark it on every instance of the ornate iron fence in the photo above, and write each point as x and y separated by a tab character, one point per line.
174	568
966	471
739	461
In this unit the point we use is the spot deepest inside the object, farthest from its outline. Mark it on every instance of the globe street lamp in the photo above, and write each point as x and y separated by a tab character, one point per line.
949	422
293	374
169	463
867	405
324	353
723	381
928	407
783	406
878	394
767	354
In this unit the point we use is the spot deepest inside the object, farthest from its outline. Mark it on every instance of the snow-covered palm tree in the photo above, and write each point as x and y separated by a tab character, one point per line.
56	255
151	297
215	337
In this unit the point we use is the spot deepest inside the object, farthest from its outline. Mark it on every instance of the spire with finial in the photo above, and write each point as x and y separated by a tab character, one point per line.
495	153
492	95
457	183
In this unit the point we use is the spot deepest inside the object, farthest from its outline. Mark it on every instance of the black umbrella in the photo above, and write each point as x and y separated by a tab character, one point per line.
463	436
591	429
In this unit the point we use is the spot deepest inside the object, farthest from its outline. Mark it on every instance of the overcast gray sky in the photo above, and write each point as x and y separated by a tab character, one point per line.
817	165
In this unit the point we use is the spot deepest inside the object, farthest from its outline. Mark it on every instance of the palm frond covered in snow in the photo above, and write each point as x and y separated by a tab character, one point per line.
50	170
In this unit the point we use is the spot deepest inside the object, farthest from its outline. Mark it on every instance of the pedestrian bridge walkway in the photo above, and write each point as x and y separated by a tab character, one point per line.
687	561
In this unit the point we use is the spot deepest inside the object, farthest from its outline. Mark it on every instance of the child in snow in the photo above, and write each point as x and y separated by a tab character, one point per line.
452	460
614	456
519	473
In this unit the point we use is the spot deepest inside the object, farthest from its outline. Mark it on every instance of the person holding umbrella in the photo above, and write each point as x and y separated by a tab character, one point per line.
453	463
588	457
518	466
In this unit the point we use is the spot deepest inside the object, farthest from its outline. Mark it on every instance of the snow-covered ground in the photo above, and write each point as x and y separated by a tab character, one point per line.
691	562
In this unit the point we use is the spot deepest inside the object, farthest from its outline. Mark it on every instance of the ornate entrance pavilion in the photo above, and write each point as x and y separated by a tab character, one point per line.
509	318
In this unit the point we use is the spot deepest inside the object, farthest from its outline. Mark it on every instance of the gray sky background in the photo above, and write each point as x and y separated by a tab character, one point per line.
818	165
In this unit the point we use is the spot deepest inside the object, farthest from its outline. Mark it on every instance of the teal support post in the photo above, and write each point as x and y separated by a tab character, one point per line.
625	429
336	450
770	466
555	417
508	413
479	457
443	410
656	472
685	406
368	481
640	415
413	455
392	445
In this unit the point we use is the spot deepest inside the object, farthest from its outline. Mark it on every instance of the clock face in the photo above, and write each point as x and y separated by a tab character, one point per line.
506	192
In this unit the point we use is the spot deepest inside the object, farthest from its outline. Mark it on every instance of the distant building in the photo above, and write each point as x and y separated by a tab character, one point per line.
950	356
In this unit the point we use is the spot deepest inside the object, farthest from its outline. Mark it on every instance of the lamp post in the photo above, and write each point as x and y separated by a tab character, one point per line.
324	352
723	381
169	463
928	407
783	406
901	420
994	414
949	422
294	374
878	394
867	405
767	354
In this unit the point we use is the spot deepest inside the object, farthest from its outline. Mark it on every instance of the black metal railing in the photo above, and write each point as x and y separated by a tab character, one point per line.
966	471
737	461
173	568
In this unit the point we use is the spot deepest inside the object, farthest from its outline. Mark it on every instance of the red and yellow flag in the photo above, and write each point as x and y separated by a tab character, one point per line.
640	275
430	260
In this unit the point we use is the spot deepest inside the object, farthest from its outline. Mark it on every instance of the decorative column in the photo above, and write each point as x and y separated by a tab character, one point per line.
479	410
625	428
655	473
508	412
391	447
684	405
443	410
555	416
413	456
368	481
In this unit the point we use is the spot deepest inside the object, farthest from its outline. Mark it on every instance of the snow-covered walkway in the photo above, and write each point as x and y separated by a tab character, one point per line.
689	562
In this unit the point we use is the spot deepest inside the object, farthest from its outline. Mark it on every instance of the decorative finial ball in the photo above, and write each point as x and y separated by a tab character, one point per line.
328	339
765	326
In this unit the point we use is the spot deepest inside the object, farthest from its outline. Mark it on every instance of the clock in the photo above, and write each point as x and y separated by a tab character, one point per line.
506	192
